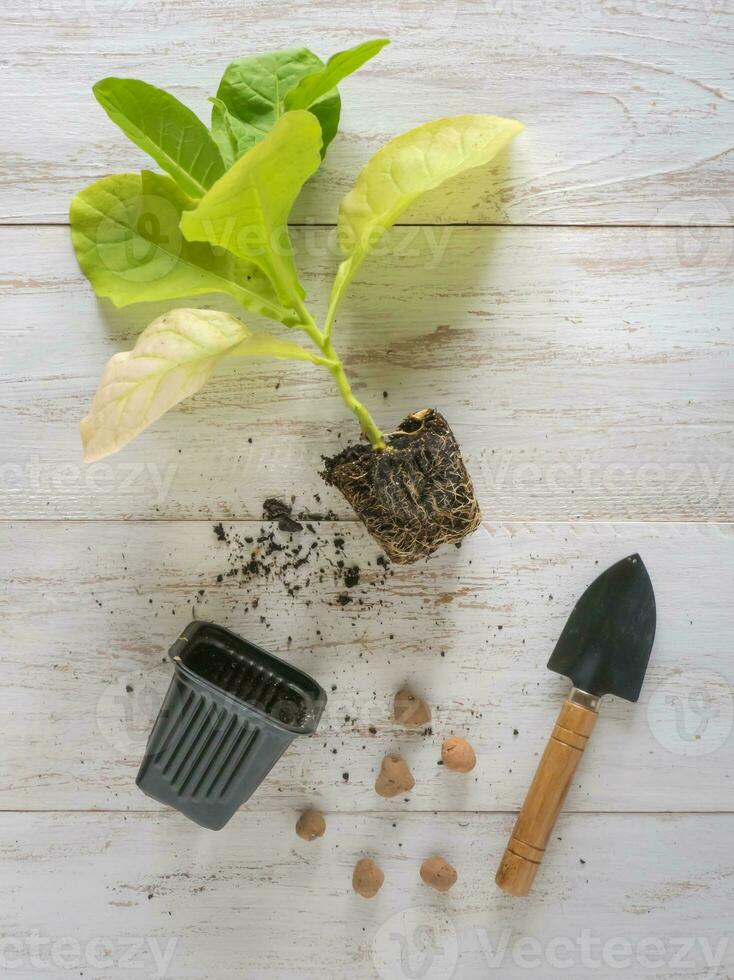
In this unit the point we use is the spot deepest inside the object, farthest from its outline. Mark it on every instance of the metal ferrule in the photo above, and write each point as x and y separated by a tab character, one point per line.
586	700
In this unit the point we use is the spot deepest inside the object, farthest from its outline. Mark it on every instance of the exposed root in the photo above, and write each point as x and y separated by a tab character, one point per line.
413	496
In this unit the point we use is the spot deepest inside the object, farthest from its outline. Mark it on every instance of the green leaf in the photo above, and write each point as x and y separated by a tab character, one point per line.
406	167
247	210
173	358
126	235
171	133
225	129
317	84
254	90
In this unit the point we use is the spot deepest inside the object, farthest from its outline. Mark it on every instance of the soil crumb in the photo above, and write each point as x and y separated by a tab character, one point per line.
296	555
280	511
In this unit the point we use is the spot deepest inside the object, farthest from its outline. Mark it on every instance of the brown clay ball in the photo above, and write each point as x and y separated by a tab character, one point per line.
458	755
438	873
311	824
367	878
409	709
395	777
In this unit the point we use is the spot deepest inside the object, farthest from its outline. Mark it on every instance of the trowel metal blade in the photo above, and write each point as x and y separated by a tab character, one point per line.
605	645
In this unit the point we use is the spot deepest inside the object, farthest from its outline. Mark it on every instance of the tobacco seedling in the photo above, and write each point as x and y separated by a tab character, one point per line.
217	221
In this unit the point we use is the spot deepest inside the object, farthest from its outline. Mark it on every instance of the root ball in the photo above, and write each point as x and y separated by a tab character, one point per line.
414	496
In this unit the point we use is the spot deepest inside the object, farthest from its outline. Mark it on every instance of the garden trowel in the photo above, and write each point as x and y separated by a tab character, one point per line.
603	649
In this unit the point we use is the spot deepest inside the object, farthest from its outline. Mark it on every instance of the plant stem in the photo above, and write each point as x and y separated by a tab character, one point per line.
369	426
335	366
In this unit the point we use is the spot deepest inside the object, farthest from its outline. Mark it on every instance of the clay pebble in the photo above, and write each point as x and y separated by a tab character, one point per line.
438	873
410	710
395	777
311	824
458	755
367	878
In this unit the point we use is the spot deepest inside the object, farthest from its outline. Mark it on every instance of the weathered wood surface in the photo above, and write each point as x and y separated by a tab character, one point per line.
628	105
587	373
91	608
256	901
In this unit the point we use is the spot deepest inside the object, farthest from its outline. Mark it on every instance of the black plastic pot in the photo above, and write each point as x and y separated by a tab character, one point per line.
231	711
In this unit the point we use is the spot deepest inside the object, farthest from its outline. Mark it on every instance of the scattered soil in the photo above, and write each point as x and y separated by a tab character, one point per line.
295	556
367	878
458	755
410	710
414	496
280	511
438	873
395	777
311	824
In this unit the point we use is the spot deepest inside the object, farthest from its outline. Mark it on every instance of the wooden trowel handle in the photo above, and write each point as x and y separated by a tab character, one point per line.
547	792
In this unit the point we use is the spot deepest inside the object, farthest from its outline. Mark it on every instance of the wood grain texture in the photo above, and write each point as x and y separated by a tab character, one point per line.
546	796
89	610
628	105
254	897
586	372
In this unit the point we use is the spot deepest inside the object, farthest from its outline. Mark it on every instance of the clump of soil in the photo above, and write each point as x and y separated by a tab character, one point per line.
410	710
280	511
458	755
311	824
438	873
367	878
413	496
395	777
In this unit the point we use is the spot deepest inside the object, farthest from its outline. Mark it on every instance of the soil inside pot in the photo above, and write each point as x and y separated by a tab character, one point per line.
413	496
247	680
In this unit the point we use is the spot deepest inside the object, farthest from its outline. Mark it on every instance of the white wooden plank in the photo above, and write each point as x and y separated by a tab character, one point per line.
628	105
256	901
90	609
587	374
